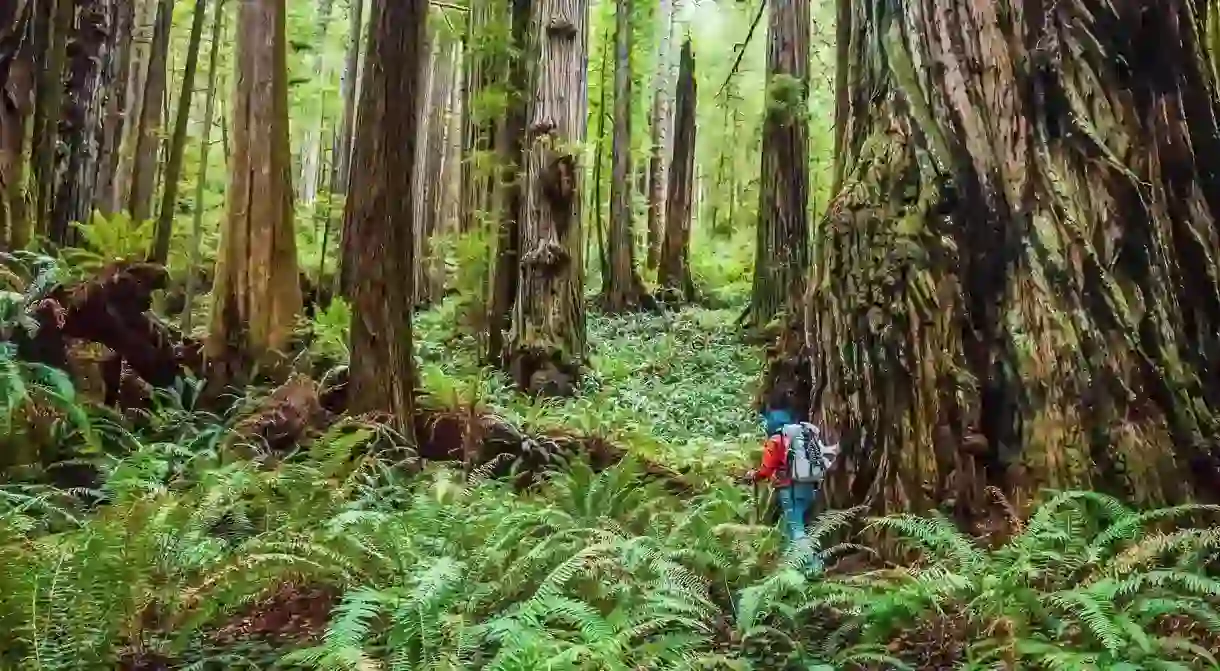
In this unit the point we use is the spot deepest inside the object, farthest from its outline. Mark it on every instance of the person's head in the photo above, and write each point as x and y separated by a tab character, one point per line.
776	418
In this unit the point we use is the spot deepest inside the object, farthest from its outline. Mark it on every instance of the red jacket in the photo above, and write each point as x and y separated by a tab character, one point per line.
775	455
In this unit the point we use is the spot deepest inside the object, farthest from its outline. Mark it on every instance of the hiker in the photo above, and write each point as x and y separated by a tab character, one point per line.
795	460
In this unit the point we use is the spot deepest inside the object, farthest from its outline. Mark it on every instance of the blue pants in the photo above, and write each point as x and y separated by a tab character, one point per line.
795	501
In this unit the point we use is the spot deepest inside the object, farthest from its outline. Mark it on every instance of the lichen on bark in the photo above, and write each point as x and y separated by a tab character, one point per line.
1016	284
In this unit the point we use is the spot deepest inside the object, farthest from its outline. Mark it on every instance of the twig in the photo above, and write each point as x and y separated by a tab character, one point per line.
744	45
447	5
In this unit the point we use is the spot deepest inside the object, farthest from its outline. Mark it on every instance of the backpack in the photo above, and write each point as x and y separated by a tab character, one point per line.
808	457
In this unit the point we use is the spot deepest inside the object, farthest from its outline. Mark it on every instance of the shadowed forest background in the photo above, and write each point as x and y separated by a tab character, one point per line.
395	334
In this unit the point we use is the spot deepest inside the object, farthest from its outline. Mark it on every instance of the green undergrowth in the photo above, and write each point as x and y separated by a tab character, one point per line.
677	387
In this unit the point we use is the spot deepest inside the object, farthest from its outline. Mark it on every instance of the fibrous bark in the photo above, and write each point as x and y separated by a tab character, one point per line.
547	340
16	91
674	272
256	297
378	228
90	50
622	287
53	24
1017	283
782	255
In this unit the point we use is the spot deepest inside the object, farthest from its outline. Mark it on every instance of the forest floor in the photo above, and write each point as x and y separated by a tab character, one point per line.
195	552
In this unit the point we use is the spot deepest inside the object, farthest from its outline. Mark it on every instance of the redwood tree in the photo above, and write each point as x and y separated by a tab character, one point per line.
16	84
674	272
148	130
662	125
547	341
256	296
1017	282
622	288
378	226
781	259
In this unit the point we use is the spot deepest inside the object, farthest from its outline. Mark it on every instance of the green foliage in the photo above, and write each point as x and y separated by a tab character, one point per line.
107	240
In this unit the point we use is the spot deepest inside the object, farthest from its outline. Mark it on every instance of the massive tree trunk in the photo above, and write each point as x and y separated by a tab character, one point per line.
89	51
16	89
662	124
674	272
148	134
378	226
509	147
781	260
622	289
547	341
257	296
173	170
1017	283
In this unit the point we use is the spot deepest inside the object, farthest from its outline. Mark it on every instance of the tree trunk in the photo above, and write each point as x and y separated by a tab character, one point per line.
781	261
90	51
114	119
488	61
48	103
662	123
622	288
257	293
378	227
205	145
1045	312
430	167
173	171
311	153
509	148
144	25
341	154
547	341
603	260
674	272
144	168
16	89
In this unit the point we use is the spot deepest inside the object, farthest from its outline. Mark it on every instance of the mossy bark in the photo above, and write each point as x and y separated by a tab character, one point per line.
1017	284
547	341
